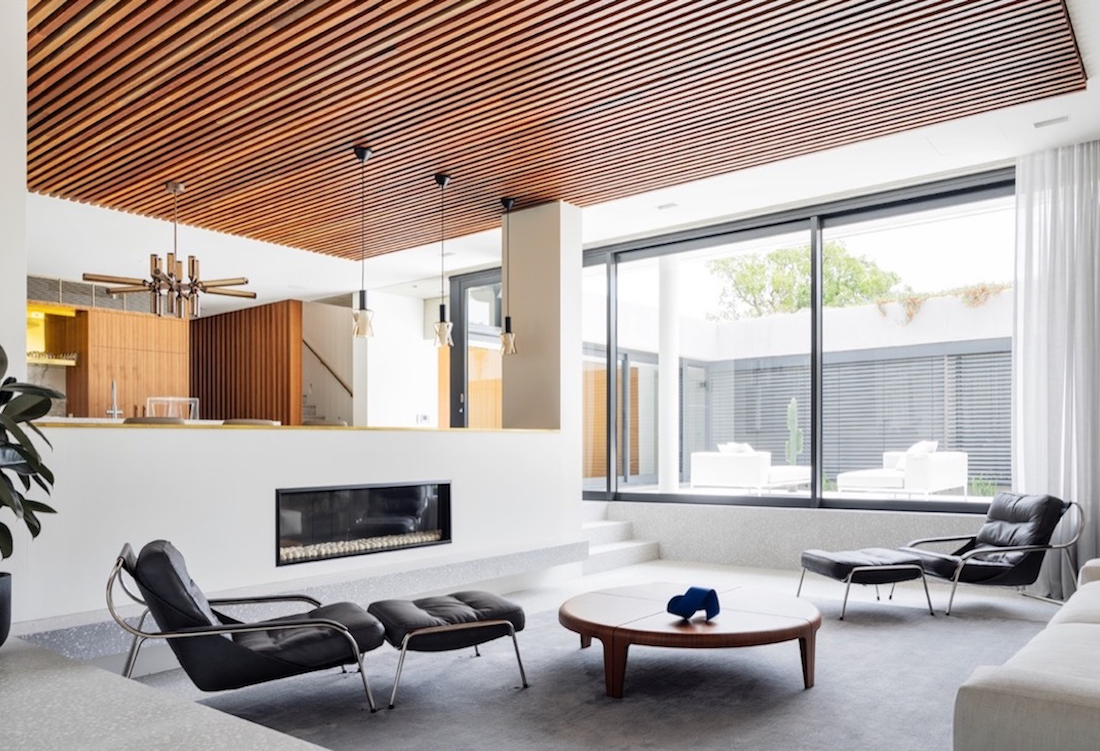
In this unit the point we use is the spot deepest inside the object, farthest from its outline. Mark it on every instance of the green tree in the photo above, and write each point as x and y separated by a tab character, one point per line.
761	284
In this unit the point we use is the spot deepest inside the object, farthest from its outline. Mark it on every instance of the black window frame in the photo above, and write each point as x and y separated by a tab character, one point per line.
817	218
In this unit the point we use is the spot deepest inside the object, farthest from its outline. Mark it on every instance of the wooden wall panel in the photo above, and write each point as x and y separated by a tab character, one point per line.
144	355
594	459
248	363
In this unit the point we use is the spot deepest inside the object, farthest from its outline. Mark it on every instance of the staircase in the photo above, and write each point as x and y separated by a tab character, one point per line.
611	544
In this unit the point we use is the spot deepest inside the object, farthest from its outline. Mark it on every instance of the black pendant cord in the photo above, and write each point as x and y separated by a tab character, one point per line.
362	225
442	237
508	262
175	222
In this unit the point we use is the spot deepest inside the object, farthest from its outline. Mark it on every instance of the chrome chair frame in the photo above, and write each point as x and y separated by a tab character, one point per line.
979	552
889	567
127	554
455	627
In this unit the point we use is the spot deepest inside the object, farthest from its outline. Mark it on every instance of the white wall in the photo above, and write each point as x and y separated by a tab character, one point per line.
326	329
401	365
940	319
211	491
13	184
775	537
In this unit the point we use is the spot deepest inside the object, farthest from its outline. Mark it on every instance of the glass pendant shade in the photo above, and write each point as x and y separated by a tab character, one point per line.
363	327
443	329
507	338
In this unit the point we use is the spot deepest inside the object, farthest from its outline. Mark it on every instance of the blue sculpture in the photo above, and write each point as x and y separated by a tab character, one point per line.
694	600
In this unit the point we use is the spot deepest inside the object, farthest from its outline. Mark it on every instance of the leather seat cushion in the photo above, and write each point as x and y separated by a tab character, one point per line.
838	565
402	617
316	646
943	565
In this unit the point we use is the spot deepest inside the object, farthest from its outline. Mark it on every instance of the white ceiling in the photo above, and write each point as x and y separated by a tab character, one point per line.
116	243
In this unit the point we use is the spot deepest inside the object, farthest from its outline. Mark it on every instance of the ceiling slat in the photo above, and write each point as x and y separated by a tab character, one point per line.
256	103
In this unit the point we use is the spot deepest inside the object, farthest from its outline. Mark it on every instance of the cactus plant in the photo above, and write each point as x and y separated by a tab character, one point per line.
795	442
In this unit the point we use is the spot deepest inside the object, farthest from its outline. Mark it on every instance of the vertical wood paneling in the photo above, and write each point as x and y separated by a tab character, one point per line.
248	363
143	354
443	372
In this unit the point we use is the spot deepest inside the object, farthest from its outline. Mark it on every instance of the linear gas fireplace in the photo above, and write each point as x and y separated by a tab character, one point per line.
313	524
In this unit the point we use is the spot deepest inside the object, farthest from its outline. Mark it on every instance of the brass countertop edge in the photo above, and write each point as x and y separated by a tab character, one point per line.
58	424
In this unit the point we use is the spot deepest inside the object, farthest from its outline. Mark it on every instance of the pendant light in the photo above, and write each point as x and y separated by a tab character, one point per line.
362	321
507	338
442	326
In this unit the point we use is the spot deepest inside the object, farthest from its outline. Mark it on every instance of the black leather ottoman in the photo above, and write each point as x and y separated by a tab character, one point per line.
867	566
454	621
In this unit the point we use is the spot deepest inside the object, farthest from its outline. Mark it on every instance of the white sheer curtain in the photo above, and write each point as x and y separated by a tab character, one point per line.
1056	347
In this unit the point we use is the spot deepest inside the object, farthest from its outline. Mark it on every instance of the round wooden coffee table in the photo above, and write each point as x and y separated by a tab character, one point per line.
749	617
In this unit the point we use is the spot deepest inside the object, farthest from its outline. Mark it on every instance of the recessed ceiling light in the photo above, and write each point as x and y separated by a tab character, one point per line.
1052	121
665	206
448	253
297	287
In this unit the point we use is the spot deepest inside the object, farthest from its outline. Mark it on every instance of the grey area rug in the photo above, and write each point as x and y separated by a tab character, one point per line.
886	679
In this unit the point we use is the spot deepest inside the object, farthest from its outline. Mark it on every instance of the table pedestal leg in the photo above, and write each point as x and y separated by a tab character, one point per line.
807	645
586	641
614	667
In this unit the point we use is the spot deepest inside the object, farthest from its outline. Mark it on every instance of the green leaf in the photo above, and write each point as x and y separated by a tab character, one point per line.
34	427
5	540
38	507
33	525
18	434
27	407
32	388
31	464
11	497
3	372
41	484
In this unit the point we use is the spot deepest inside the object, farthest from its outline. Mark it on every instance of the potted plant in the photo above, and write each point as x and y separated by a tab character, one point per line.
20	467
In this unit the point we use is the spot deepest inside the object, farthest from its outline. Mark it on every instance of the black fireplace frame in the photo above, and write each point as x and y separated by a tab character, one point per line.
443	509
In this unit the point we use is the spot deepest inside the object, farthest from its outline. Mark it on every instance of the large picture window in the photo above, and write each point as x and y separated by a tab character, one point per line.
879	326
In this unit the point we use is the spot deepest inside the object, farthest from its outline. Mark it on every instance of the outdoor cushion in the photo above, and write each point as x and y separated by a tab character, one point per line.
920	447
872	478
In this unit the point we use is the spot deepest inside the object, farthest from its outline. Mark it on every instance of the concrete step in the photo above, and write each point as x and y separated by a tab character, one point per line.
605	531
593	511
618	554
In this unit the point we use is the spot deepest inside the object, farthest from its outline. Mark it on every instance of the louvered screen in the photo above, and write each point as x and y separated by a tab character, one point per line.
982	423
756	410
872	405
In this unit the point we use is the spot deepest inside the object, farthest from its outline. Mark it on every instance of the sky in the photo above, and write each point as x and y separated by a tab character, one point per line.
931	251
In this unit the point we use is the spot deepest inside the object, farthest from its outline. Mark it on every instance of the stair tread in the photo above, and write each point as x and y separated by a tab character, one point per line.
608	547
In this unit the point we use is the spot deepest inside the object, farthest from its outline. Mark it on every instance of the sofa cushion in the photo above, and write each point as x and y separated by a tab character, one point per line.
1062	649
1082	607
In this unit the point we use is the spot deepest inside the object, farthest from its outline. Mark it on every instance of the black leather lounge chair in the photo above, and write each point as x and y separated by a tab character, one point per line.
1008	550
219	652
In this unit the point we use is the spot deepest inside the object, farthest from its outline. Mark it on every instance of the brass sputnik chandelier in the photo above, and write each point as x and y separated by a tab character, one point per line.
169	293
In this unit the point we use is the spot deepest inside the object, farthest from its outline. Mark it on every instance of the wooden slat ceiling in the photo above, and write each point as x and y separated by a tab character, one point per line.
255	104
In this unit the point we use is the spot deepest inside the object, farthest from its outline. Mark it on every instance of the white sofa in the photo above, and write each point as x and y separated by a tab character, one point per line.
920	474
750	469
1048	694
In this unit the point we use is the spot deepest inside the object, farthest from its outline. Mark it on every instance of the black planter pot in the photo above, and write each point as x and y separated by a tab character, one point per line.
5	606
